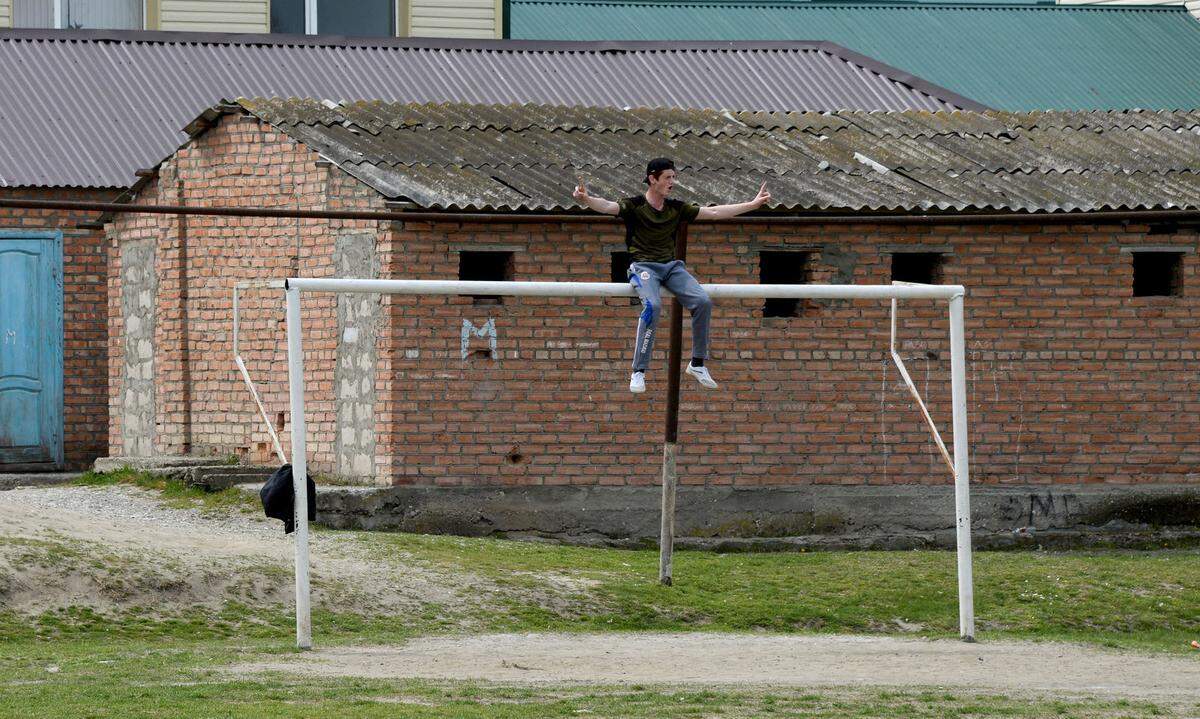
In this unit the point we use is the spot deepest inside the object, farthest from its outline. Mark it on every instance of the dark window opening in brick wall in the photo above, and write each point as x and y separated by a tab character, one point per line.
1157	274
784	268
617	271
485	267
921	267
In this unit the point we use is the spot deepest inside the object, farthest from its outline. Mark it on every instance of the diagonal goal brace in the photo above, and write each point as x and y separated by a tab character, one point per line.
912	388
953	294
241	365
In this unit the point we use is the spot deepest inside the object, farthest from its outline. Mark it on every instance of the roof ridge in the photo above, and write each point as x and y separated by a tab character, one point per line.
174	37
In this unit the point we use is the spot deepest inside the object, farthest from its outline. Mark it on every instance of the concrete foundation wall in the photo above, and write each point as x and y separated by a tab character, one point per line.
779	517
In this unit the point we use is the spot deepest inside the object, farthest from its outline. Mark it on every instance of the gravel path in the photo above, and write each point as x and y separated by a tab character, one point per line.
123	504
765	661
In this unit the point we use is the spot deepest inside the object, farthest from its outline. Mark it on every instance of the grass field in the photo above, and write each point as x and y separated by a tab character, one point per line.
140	660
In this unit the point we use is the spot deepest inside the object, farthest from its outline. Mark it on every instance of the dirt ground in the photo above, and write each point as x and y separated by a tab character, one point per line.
753	660
111	548
193	559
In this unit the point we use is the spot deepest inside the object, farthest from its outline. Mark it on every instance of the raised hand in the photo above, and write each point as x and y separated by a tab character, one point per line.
762	197
580	194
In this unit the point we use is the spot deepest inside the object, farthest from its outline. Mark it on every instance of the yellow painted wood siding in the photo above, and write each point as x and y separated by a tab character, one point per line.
454	18
215	15
5	13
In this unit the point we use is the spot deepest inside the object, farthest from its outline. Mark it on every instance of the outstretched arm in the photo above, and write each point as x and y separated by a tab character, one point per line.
721	212
599	204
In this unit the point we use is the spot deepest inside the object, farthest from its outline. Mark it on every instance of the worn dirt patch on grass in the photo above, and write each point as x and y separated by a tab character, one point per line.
754	660
116	547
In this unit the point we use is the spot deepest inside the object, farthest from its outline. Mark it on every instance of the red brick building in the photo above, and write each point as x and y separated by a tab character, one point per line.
67	139
1081	334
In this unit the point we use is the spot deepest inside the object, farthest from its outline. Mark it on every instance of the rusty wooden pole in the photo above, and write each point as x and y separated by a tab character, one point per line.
666	543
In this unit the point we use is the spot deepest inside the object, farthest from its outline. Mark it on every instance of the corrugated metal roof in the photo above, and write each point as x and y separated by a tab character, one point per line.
1015	57
475	157
90	108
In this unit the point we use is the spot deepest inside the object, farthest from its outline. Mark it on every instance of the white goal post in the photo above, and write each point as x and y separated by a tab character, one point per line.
953	294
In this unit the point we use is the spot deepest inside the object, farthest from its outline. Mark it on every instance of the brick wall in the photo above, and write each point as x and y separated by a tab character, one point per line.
201	403
1071	379
85	430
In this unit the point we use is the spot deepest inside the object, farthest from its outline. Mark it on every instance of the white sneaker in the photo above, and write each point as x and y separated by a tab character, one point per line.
702	376
637	382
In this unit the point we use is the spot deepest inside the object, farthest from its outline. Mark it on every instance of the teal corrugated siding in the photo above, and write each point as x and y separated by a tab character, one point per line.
1010	57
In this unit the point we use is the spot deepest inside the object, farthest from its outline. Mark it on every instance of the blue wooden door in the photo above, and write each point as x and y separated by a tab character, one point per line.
31	340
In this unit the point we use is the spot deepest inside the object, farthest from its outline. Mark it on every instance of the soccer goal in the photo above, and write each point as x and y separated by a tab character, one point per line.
957	464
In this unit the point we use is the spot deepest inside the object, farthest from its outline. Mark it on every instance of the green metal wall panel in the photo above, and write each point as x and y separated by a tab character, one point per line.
1011	57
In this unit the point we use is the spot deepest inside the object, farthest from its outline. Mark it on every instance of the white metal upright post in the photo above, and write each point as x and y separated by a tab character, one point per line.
299	466
962	477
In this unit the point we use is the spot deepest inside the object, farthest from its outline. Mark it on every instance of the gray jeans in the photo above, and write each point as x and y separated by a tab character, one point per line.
648	278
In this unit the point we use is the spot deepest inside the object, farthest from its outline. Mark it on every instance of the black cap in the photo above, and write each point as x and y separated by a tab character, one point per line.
658	164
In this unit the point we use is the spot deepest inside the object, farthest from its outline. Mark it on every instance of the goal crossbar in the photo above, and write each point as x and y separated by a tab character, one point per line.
624	289
952	294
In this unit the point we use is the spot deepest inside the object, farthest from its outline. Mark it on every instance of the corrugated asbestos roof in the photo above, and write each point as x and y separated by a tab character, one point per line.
1013	57
89	108
478	157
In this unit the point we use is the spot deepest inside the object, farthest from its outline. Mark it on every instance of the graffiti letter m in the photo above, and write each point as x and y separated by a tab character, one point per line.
488	330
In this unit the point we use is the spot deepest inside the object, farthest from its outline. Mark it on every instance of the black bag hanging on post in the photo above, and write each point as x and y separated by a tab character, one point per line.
278	498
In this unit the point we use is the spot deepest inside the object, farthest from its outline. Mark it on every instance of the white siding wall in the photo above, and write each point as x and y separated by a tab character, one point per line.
5	13
453	18
215	15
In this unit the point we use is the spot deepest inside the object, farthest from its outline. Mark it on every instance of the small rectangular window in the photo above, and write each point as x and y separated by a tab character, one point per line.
1157	274
619	266
486	267
783	268
618	271
921	267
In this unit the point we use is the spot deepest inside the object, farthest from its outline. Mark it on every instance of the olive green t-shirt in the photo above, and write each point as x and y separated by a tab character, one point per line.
650	234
